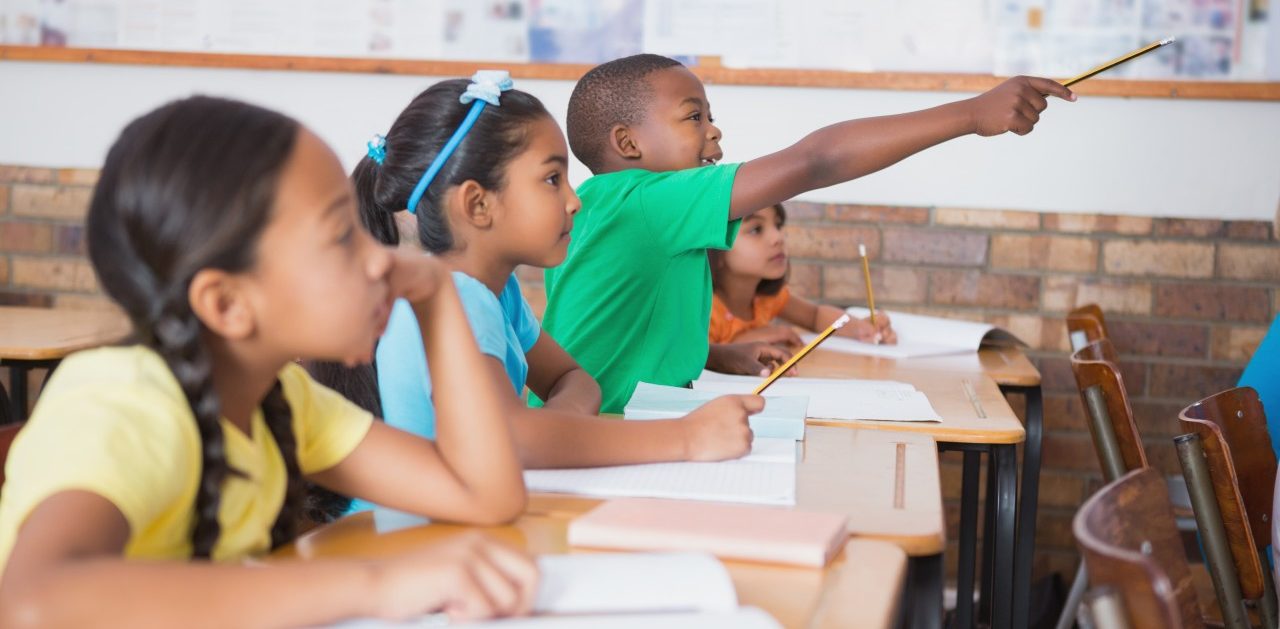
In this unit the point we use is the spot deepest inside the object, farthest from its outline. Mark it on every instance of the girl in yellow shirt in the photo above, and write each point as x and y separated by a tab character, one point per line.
227	233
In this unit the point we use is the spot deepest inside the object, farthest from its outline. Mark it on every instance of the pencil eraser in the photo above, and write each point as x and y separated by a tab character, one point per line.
862	250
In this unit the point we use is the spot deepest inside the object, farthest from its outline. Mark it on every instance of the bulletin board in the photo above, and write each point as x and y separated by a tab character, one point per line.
1223	49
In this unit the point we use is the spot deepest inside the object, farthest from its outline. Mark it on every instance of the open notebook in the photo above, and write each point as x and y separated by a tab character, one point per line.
624	590
782	418
766	476
920	335
834	398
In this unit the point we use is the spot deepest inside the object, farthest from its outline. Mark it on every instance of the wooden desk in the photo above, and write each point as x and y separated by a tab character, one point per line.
1008	546
854	473
35	338
860	588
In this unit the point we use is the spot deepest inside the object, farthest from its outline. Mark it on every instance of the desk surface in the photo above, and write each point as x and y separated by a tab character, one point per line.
961	418
860	588
1007	365
889	492
53	333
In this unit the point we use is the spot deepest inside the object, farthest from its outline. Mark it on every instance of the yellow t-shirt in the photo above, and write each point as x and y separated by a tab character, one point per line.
115	422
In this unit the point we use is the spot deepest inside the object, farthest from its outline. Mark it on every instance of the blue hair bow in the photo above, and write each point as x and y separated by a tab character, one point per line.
486	88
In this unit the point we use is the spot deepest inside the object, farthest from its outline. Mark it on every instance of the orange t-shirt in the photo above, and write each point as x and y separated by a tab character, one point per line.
764	309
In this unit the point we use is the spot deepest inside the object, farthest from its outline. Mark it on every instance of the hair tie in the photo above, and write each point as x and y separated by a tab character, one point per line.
486	88
377	148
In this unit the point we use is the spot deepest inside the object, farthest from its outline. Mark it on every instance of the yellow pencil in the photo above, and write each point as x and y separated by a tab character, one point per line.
836	325
871	298
1119	60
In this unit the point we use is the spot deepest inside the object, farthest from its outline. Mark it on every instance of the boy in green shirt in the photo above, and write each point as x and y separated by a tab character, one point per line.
632	300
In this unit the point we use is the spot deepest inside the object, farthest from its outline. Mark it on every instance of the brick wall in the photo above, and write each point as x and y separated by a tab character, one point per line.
1187	300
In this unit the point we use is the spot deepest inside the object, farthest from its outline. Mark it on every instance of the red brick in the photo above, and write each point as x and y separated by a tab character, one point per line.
878	214
1064	293
973	288
1214	302
987	219
1051	561
1053	253
805	210
1094	223
1249	262
1157	419
1191	382
1191	227
25	237
1064	412
1061	490
1029	328
70	274
1053	529
1236	343
4	270
17	298
831	242
51	201
892	285
23	174
1056	376
78	176
72	301
1159	339
934	246
1249	230
1162	455
69	239
1166	258
4	199
805	280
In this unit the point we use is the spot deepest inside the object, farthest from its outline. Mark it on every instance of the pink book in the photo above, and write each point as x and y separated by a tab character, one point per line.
726	530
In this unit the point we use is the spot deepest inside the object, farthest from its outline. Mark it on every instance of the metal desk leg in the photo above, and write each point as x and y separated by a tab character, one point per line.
986	581
18	378
968	540
1006	499
1028	503
923	603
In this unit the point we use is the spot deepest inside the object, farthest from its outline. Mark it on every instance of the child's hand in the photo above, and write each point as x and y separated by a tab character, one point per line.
414	275
1014	105
863	330
780	335
718	430
750	359
468	577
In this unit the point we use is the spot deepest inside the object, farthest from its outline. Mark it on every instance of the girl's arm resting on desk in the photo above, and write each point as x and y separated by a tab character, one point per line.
559	380
553	438
66	570
852	149
471	472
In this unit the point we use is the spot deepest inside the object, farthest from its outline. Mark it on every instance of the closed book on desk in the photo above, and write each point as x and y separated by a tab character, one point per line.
726	530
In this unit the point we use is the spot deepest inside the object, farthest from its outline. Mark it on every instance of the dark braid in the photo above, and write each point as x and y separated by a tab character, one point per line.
187	187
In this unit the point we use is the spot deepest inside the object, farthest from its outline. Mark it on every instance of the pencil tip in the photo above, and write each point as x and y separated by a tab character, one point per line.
1168	40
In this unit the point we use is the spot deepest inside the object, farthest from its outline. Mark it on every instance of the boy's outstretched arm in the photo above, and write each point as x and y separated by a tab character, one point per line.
854	148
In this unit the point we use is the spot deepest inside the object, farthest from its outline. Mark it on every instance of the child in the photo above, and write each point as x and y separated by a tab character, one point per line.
750	290
632	300
224	231
501	200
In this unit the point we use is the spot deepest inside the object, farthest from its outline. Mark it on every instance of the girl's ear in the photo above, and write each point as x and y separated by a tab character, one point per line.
217	299
478	204
623	142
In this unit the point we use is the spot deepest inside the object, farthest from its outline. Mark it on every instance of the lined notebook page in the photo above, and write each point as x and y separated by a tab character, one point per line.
771	481
833	398
920	335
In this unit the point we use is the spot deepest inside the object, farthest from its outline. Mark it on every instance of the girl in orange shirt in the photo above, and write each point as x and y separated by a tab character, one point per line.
750	284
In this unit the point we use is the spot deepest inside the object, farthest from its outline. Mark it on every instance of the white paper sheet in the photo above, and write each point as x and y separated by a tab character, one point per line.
782	417
832	398
919	335
755	482
742	618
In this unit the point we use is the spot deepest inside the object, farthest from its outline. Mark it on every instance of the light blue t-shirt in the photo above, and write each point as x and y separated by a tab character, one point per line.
504	327
1263	374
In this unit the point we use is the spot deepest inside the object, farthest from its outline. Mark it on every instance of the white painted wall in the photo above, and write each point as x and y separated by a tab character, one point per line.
1172	158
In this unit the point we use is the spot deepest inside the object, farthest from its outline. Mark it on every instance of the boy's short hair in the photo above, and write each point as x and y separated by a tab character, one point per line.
615	92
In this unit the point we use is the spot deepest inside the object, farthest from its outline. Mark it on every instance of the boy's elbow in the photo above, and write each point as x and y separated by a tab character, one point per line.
503	511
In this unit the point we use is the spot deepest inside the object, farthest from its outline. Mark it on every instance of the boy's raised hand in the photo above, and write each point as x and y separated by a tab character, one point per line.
1014	105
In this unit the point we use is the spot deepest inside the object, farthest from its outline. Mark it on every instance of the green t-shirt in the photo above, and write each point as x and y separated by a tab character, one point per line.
632	301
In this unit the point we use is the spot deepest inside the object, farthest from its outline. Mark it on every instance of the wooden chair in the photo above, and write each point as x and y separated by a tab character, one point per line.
1127	535
1085	325
1231	470
1110	418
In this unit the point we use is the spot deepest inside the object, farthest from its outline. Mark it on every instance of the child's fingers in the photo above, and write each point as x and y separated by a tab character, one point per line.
520	569
1037	101
1051	88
